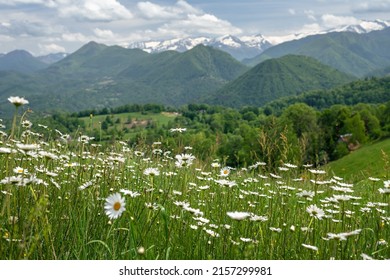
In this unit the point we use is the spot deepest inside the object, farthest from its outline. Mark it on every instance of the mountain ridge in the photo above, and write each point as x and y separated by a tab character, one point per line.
276	78
350	52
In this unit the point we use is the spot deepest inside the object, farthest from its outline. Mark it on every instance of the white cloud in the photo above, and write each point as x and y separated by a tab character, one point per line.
74	37
51	48
310	15
330	21
373	7
182	19
155	11
94	10
16	2
104	33
205	24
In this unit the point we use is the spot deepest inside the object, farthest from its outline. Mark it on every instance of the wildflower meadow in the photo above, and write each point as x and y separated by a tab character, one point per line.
69	197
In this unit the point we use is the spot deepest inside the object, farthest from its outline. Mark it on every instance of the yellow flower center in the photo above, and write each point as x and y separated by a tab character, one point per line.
117	206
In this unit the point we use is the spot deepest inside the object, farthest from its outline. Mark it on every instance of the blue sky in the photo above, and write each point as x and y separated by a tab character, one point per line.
47	26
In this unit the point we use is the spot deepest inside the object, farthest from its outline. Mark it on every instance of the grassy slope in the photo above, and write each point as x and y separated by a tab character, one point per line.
159	119
366	162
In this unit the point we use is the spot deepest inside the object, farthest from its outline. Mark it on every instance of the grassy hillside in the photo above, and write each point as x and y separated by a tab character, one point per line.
371	160
126	124
276	78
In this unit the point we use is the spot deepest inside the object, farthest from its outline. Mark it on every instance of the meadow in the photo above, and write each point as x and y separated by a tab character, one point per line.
69	197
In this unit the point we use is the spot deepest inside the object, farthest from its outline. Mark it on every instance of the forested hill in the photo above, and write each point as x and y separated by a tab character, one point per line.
369	91
276	78
352	53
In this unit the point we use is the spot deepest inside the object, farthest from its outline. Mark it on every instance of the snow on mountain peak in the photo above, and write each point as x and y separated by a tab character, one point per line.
249	45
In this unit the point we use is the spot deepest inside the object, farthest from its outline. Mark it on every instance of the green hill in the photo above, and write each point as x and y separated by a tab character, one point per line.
20	61
368	161
352	53
183	78
276	78
372	91
98	76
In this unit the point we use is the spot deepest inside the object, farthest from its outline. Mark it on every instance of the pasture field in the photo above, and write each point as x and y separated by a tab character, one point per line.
371	160
70	198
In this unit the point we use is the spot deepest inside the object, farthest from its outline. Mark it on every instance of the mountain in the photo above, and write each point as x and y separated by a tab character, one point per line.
94	61
248	46
276	78
350	52
20	61
52	58
185	77
98	76
364	26
239	48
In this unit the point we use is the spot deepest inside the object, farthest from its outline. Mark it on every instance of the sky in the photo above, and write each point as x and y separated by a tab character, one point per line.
50	26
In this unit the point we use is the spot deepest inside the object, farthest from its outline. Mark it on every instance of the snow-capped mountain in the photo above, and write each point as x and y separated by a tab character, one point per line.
239	48
364	26
249	46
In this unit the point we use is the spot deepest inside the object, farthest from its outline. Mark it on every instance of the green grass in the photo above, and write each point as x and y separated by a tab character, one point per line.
131	123
368	161
53	195
159	118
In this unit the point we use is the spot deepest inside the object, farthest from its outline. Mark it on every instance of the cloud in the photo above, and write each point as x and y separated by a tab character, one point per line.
155	11
51	48
182	19
104	33
74	37
310	15
94	10
330	21
30	28
373	7
17	2
91	10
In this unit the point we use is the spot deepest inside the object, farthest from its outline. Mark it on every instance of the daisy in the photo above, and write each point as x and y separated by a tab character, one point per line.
20	170
311	247
178	129
26	124
184	160
315	171
27	147
384	190
4	150
17	101
336	236
130	193
151	171
225	172
315	212
239	216
114	206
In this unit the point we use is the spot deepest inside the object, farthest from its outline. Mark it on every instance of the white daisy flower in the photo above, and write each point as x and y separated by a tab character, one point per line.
311	247
315	212
114	206
239	216
17	101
